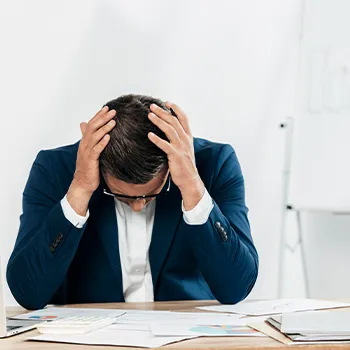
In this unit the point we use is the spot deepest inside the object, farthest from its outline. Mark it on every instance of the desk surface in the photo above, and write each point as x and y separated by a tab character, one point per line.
19	342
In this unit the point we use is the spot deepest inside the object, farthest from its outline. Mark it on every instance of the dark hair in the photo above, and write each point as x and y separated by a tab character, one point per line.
130	156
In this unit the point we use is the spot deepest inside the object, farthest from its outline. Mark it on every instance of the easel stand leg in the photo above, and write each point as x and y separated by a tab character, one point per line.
303	254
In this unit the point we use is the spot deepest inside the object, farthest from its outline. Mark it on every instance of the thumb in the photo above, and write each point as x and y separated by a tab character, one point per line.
83	127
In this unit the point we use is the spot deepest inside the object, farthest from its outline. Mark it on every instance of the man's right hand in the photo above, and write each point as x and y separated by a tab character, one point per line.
86	180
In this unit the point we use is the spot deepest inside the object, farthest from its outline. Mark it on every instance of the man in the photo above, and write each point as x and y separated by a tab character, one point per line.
137	210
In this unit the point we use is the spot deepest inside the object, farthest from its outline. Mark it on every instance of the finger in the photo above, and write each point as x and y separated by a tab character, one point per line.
166	116
97	136
83	127
160	143
168	129
83	142
181	115
103	110
101	120
96	151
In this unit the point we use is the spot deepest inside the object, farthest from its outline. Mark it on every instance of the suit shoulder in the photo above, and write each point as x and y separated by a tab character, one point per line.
206	149
67	153
212	157
67	150
58	165
58	162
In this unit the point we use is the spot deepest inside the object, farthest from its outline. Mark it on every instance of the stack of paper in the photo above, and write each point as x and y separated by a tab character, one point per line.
157	328
309	327
146	328
281	327
313	326
321	322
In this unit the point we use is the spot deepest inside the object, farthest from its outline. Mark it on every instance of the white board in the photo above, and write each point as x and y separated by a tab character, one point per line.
320	169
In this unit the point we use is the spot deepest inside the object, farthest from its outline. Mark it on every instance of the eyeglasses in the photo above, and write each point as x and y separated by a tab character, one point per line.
163	191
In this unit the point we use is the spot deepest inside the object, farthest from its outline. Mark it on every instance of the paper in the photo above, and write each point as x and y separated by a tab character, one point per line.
52	313
112	336
316	322
203	330
306	337
131	328
135	327
272	332
129	316
213	324
148	317
272	307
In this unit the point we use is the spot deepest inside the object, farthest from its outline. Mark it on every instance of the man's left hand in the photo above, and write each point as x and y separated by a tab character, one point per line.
180	152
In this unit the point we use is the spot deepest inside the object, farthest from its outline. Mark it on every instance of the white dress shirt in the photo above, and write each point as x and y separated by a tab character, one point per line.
134	237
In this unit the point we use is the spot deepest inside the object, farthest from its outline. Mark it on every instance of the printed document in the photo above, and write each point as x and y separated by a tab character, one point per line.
111	336
273	307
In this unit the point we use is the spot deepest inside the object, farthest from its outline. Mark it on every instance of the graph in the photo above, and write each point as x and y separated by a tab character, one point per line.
222	330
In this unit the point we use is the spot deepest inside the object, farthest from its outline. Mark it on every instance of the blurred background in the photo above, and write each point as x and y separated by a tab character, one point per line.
239	69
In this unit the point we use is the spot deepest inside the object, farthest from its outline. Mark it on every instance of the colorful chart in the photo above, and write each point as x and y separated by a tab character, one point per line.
44	317
222	330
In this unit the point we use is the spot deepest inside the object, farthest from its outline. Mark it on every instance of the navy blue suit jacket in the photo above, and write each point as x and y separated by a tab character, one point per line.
55	262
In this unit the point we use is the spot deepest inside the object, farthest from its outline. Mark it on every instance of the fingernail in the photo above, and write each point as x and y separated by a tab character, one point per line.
169	103
105	108
151	115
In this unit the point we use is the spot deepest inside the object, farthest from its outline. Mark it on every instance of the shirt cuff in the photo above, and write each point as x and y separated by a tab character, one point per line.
200	213
74	218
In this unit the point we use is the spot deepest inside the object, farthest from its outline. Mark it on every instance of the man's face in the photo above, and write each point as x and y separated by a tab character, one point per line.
154	186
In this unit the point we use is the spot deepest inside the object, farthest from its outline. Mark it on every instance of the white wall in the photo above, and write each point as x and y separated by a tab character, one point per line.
231	65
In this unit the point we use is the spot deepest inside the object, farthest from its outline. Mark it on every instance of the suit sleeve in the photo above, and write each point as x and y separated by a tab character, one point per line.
46	241
223	244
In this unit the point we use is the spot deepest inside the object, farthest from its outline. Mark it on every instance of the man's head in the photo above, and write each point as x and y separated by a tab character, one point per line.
131	164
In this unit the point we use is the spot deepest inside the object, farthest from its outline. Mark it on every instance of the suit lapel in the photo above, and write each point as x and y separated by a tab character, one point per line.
106	226
167	217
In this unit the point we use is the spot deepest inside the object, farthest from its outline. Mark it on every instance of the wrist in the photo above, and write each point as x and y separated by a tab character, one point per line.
78	198
78	190
192	194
